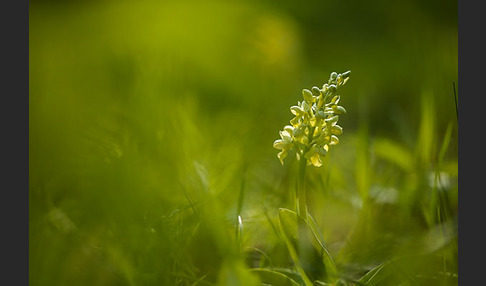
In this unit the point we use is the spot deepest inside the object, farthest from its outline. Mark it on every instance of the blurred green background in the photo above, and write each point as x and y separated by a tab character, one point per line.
151	126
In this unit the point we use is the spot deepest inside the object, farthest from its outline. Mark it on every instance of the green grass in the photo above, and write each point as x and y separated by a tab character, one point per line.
151	131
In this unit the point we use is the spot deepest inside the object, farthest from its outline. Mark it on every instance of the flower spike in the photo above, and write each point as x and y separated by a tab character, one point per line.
314	128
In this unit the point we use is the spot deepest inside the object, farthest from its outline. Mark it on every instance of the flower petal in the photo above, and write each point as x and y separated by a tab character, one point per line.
289	129
316	160
295	121
307	94
282	155
286	137
337	130
279	144
334	140
305	106
332	120
296	110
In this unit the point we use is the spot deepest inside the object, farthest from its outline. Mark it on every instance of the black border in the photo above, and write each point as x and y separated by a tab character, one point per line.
15	141
470	94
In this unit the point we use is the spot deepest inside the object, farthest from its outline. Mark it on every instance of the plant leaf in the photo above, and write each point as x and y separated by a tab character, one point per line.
306	247
274	277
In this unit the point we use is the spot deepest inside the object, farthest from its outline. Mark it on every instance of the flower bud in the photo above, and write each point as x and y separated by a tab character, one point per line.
338	109
316	91
325	87
334	140
308	95
333	77
343	78
345	75
331	121
335	99
337	130
332	88
289	129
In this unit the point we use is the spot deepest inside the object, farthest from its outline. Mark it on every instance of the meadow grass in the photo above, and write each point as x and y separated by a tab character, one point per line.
151	161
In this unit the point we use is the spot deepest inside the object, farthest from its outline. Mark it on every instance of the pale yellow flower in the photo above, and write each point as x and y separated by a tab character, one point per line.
314	128
284	144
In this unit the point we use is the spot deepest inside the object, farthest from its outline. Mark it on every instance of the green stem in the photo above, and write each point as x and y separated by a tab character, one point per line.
302	234
301	203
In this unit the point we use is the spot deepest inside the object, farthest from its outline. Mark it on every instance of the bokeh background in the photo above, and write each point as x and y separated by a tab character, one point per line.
151	126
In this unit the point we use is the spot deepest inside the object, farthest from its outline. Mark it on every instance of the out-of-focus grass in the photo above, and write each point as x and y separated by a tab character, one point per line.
147	118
